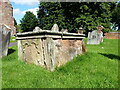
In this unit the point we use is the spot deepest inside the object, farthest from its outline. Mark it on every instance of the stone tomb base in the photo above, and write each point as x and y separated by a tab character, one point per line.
50	49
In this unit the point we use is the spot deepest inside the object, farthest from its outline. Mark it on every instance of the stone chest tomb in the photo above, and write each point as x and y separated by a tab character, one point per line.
49	49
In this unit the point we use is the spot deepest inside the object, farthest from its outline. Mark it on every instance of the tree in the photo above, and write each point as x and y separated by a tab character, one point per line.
94	14
49	14
15	23
116	16
28	22
18	28
74	15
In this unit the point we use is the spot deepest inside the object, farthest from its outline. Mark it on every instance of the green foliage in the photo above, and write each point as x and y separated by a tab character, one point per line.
28	22
97	68
74	15
13	39
18	28
15	23
116	16
49	14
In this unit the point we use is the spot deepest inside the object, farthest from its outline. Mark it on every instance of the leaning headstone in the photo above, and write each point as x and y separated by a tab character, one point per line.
55	28
7	27
5	33
6	15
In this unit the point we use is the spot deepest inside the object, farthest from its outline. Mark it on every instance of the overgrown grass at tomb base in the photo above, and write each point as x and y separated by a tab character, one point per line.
12	39
98	68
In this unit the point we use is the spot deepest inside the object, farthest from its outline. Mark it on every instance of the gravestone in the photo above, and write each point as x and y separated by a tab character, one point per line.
49	49
96	36
6	15
7	27
5	34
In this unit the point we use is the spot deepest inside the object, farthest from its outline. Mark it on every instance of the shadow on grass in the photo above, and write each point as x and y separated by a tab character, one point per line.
111	56
10	51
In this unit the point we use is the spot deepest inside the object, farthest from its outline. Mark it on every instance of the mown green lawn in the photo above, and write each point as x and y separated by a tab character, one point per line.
98	68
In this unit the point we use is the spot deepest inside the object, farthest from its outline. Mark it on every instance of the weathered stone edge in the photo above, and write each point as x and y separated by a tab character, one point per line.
48	32
48	36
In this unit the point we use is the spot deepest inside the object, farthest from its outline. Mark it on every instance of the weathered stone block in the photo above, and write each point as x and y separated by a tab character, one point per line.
96	36
49	49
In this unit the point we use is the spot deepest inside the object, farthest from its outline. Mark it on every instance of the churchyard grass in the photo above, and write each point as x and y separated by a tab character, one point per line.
12	39
115	31
97	68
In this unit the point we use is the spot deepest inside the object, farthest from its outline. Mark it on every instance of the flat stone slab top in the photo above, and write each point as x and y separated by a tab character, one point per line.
49	49
48	33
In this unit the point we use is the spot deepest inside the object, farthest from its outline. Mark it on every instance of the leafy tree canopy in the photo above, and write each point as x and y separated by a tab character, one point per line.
28	22
71	16
15	23
116	16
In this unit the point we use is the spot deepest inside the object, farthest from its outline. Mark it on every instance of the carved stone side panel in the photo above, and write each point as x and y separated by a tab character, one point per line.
40	60
66	50
79	47
49	53
20	48
32	51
